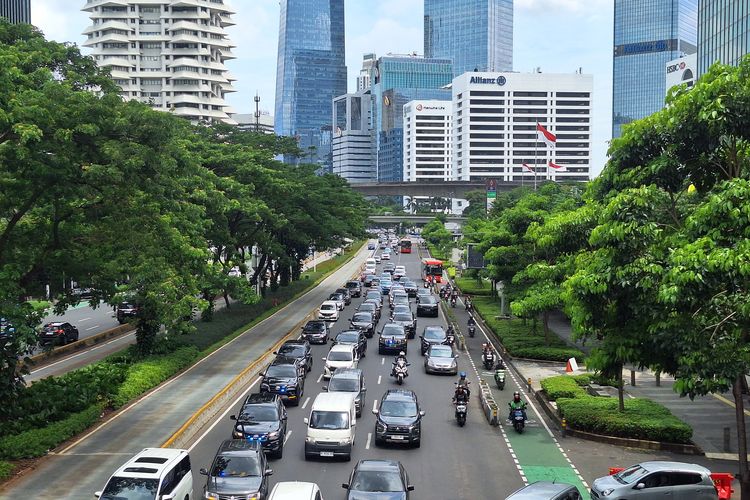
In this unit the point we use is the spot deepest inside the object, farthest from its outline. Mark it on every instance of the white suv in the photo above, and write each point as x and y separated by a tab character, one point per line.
340	356
293	490
153	473
328	311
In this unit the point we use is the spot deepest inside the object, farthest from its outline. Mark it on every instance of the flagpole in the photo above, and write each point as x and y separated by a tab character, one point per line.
536	146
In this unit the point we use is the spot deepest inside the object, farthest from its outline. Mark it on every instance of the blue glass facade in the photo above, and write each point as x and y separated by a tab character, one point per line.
397	80
474	34
647	34
310	72
16	11
723	32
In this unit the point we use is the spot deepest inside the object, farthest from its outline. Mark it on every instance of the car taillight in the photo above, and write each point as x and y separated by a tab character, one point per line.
60	332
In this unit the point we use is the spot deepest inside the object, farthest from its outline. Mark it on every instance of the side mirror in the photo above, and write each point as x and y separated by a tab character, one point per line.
374	411
268	472
204	472
325	388
345	486
167	497
283	417
422	413
276	353
97	494
410	487
323	359
306	420
640	486
232	417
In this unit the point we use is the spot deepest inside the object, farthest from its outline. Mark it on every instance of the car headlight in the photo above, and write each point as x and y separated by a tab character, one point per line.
344	442
211	496
253	496
608	492
238	434
379	427
273	435
430	362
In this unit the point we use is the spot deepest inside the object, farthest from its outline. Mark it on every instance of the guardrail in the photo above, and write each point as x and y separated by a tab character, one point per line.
59	352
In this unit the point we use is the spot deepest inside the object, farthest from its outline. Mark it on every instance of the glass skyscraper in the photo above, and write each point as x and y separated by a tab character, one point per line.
474	34
16	11
311	71
723	32
647	34
395	81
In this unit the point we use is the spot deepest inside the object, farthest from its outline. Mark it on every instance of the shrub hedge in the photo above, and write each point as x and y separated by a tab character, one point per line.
6	469
563	386
472	287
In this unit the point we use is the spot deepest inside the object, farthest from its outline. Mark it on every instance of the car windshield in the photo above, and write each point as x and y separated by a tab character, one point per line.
231	466
281	371
292	350
402	317
392	330
259	414
441	352
336	296
130	488
343	384
398	409
329	420
339	356
381	481
631	474
347	338
434	333
362	317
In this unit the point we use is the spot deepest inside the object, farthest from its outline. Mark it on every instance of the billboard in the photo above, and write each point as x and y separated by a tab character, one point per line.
682	70
474	258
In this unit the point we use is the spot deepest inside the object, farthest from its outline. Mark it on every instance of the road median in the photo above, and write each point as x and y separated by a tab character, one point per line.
44	358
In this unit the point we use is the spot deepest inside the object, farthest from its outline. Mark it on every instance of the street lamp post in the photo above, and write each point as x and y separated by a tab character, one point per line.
500	287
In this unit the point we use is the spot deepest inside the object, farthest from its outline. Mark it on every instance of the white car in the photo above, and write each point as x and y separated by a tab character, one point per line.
235	272
399	272
338	299
378	259
340	356
386	256
328	311
293	490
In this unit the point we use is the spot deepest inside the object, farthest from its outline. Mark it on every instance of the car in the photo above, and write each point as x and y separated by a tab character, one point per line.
370	307
125	311
385	286
263	419
378	259
340	356
339	299
83	293
401	309
345	292
656	480
365	322
441	359
392	339
399	418
400	299
239	470
407	321
374	295
316	331
349	381
355	288
295	490
378	479
428	306
284	376
299	350
235	272
432	335
328	311
389	268
546	490
7	332
399	272
369	278
152	473
410	287
423	292
370	269
386	255
371	246
352	337
57	333
331	426
382	245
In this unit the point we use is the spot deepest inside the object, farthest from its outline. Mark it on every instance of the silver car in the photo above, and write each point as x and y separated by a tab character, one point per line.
657	480
440	359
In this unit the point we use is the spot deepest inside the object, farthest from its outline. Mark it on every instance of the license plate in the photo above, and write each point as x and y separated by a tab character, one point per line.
398	438
326	453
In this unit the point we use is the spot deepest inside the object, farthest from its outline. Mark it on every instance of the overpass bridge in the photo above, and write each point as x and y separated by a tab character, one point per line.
420	219
441	189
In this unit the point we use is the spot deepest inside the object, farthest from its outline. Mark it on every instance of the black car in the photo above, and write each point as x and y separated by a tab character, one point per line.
262	419
371	308
400	299
428	306
57	333
392	339
431	335
284	377
410	287
350	380
355	288
347	295
298	349
378	480
374	295
239	470
316	331
407	321
369	280
126	311
389	268
399	418
353	337
365	322
422	293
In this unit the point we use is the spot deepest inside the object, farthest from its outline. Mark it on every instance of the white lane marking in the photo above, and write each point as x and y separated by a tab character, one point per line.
379	379
95	326
375	404
287	436
84	319
319	378
305	403
223	415
382	361
45	367
369	437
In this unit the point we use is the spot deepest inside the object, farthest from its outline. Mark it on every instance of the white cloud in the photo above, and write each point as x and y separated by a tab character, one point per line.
60	20
545	6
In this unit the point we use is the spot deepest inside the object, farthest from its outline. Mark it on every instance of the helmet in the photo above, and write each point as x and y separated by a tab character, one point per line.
462	374
402	353
516	396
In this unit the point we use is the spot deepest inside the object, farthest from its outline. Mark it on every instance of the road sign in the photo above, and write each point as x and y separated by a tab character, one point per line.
490	186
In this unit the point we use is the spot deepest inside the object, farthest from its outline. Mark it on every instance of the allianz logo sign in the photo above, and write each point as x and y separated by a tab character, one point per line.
500	80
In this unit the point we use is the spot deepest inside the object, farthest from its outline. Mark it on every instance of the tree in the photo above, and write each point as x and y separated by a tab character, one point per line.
477	208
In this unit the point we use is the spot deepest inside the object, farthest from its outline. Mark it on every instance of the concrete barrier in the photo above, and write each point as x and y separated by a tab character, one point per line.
59	352
489	406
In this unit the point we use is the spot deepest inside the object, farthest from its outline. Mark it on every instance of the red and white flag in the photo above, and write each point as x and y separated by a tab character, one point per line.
545	135
530	169
559	168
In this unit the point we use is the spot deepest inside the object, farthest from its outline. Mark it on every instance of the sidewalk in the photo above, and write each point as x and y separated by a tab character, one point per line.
709	416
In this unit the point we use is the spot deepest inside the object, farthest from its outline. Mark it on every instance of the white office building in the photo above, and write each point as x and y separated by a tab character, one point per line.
263	122
495	117
363	80
169	54
351	145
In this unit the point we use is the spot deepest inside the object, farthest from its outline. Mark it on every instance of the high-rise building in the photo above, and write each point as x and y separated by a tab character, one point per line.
477	35
249	122
363	80
647	34
311	71
352	141
168	54
16	11
396	80
495	117
723	32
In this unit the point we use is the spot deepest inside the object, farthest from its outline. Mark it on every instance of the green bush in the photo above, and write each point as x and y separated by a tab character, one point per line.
472	287
642	419
563	386
547	353
6	469
37	442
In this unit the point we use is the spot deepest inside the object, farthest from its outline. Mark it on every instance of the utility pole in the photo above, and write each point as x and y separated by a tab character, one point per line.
257	112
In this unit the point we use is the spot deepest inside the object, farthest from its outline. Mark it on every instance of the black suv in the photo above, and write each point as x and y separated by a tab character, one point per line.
407	321
410	288
284	377
125	311
262	419
432	335
428	306
355	288
58	333
347	295
353	337
399	418
392	339
239	470
299	350
316	331
364	322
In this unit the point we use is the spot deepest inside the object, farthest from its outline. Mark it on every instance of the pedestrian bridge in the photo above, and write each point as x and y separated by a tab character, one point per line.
420	219
436	189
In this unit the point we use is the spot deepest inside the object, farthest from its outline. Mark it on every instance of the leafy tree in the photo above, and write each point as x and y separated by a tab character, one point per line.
477	208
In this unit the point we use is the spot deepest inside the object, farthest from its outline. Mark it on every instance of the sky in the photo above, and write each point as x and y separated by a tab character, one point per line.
558	36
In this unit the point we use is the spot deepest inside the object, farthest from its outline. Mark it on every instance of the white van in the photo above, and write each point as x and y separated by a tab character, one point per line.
331	426
340	356
371	262
161	473
295	490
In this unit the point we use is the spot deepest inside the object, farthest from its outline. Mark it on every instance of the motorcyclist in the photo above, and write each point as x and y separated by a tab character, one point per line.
472	321
401	356
500	364
469	305
462	386
516	404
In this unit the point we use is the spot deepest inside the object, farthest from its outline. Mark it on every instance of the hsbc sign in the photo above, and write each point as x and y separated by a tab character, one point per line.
676	67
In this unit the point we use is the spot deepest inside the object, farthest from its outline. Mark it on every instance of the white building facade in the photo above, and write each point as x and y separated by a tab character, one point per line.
351	145
169	54
495	117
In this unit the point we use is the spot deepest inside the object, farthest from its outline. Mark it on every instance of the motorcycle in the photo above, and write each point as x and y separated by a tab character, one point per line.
472	330
500	378
518	420
450	338
401	371
488	358
469	306
453	301
461	408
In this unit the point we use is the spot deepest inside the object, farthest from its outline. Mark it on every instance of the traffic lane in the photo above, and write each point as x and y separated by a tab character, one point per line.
87	319
85	465
454	473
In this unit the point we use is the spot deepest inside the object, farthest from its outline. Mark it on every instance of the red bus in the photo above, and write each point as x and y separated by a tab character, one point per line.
405	246
432	270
